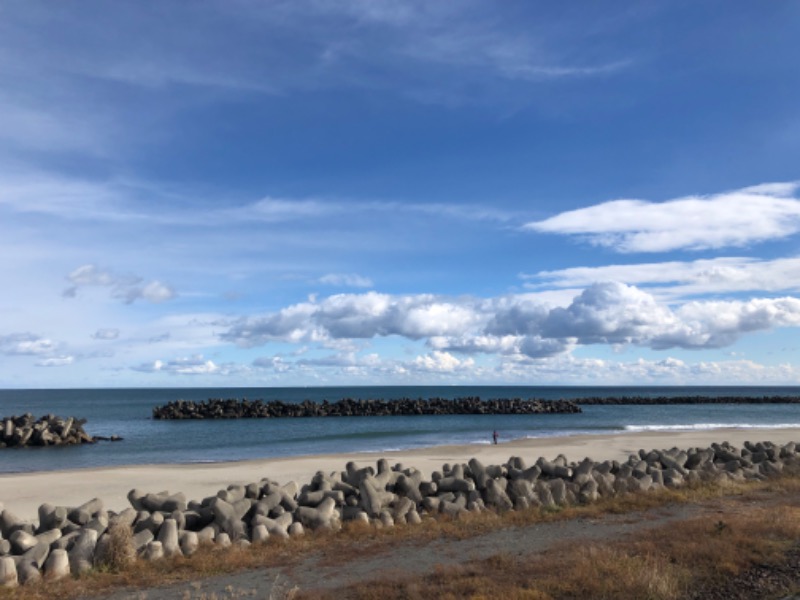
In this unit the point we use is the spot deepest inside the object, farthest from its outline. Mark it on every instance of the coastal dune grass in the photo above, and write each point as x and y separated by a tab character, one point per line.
660	564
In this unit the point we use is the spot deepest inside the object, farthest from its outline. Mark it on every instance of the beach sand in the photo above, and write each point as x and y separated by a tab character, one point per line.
23	493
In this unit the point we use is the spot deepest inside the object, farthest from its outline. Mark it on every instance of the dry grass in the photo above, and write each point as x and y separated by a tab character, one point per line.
120	554
358	541
668	563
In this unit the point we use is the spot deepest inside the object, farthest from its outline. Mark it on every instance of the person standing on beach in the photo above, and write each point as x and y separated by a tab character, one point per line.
494	436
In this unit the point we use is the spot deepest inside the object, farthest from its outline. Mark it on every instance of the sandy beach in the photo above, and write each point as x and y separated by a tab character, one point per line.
23	493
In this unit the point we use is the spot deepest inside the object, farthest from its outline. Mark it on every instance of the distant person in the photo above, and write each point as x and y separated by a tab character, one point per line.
494	436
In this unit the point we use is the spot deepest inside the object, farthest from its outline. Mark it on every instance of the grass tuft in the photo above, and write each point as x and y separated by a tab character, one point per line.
120	553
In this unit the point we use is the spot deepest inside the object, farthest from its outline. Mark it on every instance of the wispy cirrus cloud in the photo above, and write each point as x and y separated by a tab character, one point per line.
128	201
737	218
414	50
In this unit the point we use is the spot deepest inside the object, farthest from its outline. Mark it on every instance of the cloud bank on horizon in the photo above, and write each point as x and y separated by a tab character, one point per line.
305	193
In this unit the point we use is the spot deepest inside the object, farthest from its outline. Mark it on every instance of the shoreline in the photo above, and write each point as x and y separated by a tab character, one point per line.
22	493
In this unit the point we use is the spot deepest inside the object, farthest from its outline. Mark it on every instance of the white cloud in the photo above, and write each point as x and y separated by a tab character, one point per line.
609	313
613	313
106	334
192	365
156	291
368	365
275	210
718	324
127	288
346	280
568	369
92	275
488	344
571	370
736	218
360	316
149	367
604	313
26	344
560	369
442	362
56	361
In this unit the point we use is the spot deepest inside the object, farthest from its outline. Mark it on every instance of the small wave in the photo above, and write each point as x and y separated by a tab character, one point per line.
707	426
569	432
386	449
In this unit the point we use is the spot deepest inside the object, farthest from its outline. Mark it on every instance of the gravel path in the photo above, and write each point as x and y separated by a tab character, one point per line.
318	571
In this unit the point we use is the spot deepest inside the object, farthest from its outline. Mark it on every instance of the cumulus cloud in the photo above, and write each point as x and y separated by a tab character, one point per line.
604	313
192	365
614	313
442	362
26	344
106	334
735	218
360	316
346	280
127	288
609	313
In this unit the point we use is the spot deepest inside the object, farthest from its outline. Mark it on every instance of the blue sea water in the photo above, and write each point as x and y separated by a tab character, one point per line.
127	412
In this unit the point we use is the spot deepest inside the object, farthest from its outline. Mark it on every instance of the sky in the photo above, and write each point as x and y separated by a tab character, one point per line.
308	193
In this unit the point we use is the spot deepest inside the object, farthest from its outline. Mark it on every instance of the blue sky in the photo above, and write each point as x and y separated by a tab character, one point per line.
249	193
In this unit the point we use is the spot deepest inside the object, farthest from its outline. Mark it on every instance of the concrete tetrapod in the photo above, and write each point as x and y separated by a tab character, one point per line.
52	517
168	536
81	556
189	542
28	572
319	517
8	572
153	551
57	565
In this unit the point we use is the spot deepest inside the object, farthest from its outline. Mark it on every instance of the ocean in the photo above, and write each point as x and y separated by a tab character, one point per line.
127	413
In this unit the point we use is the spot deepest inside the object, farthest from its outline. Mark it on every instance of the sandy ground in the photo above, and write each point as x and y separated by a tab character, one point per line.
23	493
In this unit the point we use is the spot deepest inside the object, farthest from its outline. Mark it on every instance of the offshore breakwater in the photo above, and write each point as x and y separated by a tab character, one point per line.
217	408
651	401
347	407
72	540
